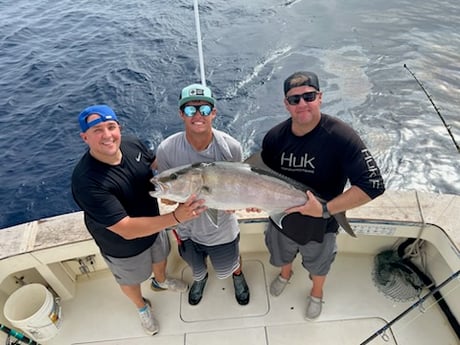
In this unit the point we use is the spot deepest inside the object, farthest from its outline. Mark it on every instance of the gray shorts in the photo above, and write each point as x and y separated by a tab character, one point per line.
317	257
136	269
225	258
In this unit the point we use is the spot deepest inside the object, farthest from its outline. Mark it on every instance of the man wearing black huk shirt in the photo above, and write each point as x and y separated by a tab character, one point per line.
323	153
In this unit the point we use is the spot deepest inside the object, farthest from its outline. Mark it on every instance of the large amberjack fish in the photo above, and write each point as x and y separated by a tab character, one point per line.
234	186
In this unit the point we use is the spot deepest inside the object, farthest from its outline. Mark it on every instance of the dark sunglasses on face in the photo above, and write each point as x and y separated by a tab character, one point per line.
307	97
190	110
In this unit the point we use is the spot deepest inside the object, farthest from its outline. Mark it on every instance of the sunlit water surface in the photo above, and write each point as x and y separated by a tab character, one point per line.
56	58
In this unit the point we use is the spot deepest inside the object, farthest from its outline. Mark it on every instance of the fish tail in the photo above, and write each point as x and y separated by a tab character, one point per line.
343	222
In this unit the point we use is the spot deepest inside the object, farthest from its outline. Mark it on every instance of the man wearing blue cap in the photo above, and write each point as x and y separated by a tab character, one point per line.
111	184
201	238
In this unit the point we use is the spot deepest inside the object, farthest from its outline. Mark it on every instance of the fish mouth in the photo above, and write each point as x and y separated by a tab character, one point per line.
160	188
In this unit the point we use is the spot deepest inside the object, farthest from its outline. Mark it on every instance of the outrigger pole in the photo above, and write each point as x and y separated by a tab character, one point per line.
420	301
200	46
21	337
435	107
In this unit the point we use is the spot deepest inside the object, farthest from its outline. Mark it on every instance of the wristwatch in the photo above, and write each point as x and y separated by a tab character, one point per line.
326	213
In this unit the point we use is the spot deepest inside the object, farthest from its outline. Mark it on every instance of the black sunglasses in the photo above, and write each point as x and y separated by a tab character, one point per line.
190	110
307	97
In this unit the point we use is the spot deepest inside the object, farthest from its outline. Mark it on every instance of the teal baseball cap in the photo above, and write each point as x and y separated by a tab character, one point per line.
196	92
104	111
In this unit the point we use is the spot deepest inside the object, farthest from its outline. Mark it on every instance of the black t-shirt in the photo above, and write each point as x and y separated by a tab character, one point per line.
323	159
109	193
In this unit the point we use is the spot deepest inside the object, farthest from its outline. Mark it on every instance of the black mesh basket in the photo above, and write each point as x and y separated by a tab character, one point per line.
394	278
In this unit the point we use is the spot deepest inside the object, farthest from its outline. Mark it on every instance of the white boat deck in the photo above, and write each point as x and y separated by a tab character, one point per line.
354	309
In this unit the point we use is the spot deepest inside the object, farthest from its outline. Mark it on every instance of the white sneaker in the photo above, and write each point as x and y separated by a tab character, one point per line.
314	307
148	321
171	284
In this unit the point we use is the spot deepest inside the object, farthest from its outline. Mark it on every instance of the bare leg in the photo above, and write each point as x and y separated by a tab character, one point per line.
286	271
133	292
317	288
238	270
159	271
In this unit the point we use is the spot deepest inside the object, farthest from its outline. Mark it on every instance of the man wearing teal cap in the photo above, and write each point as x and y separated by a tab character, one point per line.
201	238
111	184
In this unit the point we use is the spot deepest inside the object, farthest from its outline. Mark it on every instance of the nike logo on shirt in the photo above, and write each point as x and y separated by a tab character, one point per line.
138	158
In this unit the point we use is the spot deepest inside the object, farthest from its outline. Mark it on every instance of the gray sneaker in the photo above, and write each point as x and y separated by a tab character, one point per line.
314	307
148	321
170	284
278	284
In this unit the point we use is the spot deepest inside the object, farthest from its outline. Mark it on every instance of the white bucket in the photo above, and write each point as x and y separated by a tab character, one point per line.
34	310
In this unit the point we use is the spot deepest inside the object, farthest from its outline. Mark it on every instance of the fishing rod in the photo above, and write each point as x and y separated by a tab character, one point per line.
21	337
420	301
199	41
435	108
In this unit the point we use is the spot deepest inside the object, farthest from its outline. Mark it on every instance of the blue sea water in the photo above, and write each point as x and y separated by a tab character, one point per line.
57	57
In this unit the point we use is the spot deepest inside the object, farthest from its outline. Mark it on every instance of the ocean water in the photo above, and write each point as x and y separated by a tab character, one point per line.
56	58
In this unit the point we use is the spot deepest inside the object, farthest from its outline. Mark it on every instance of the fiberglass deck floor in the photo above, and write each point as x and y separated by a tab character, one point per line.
353	310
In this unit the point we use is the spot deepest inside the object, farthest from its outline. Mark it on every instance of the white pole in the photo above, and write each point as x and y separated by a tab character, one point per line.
200	46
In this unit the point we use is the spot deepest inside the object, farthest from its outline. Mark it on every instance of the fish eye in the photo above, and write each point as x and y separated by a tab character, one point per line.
173	176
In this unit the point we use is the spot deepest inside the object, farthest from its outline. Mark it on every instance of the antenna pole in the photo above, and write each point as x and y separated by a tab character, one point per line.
200	46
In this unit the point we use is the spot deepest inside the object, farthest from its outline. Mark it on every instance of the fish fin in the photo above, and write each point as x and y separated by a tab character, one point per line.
277	218
213	216
256	160
343	222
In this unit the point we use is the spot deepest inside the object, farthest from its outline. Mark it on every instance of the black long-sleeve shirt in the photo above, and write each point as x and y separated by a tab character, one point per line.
323	159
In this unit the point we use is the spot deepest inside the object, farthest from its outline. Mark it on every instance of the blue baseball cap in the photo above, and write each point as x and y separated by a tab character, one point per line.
104	111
